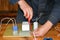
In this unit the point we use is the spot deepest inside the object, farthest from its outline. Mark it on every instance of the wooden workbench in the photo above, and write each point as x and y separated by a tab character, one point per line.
52	33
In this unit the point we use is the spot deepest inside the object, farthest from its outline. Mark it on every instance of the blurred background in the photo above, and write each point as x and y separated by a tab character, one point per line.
7	9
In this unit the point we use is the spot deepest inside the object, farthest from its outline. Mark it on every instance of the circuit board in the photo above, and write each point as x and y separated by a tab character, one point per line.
9	32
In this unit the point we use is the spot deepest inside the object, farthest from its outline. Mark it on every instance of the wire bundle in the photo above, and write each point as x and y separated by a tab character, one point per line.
10	19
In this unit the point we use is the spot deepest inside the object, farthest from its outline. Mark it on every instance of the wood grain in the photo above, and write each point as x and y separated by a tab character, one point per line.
5	5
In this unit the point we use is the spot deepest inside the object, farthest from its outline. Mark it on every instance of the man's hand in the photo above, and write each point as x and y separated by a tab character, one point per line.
43	29
28	12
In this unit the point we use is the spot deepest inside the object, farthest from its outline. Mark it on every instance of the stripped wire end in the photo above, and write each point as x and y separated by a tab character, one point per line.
34	36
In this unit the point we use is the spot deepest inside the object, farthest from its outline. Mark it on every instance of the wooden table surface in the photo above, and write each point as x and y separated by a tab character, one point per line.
52	34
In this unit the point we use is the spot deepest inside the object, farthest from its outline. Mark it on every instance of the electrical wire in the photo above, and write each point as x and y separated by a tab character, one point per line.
10	19
14	23
34	36
39	16
36	20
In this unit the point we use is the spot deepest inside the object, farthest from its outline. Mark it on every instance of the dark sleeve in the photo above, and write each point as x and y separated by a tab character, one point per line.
55	14
13	1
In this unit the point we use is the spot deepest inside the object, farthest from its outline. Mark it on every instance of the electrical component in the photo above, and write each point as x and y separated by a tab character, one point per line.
35	25
25	26
15	28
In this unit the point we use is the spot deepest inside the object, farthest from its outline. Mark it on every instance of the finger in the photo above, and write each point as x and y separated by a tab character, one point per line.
29	18
37	34
24	13
31	14
35	30
27	14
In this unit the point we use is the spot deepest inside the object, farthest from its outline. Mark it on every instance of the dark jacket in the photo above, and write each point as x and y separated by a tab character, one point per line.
13	1
54	15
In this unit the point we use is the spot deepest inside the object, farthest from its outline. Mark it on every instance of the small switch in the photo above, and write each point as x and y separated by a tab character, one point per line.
25	26
35	25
